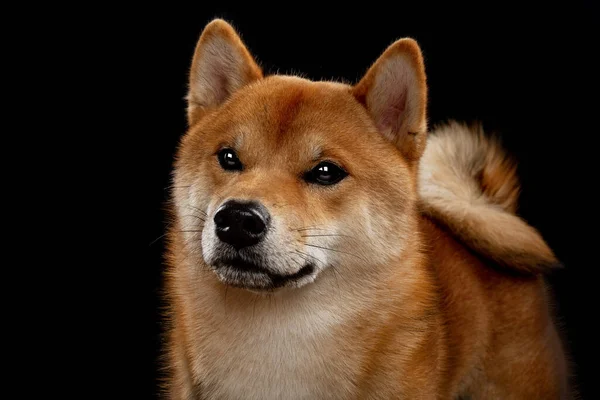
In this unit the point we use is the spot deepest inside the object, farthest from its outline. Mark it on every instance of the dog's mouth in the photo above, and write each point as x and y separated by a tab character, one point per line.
248	275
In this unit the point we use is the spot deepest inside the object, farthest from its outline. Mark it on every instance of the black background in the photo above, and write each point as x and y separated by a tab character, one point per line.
527	75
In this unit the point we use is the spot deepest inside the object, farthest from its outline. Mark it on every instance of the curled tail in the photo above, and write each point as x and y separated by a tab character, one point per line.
469	185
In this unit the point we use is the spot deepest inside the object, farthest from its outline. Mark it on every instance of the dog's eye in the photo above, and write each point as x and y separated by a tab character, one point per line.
229	160
325	173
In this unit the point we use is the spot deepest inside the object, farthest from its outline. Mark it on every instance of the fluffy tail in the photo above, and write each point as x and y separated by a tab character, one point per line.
468	184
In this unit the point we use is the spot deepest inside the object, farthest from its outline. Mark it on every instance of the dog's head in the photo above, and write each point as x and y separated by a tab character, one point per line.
280	179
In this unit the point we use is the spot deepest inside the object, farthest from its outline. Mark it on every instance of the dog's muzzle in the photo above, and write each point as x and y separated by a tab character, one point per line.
241	259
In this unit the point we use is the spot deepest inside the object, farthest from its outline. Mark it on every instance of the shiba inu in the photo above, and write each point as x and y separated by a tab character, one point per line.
325	245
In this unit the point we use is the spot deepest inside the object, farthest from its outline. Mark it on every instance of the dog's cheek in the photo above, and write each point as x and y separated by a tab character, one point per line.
382	217
208	244
193	191
345	214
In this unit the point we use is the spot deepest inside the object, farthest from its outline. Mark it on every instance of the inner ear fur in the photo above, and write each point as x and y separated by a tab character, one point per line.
221	65
394	92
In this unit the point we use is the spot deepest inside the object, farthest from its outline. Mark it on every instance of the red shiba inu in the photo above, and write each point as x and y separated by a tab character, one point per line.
325	246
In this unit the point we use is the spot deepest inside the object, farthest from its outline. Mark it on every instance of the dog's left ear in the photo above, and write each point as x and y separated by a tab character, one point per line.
394	91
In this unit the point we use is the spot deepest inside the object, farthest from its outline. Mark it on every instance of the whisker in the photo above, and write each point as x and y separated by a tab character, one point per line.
171	223
163	235
326	235
197	209
195	216
158	238
298	262
308	255
337	251
336	274
308	228
191	231
177	187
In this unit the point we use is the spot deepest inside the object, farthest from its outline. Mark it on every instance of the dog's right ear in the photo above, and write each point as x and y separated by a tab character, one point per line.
221	65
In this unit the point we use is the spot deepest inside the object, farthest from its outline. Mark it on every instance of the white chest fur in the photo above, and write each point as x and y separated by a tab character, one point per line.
274	349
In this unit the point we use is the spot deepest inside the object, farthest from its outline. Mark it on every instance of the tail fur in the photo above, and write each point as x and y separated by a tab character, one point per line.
468	184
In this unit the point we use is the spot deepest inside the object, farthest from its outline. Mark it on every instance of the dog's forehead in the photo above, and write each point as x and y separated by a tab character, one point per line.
289	103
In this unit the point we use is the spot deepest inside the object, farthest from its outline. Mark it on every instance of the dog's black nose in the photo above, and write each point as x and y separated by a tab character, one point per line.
241	224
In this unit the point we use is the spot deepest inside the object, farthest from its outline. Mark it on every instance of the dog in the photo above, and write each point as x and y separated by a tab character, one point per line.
325	245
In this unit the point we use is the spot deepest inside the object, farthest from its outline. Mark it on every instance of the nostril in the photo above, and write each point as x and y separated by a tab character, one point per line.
221	219
253	224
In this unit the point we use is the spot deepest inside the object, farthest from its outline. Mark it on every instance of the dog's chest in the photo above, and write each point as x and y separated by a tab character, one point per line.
277	357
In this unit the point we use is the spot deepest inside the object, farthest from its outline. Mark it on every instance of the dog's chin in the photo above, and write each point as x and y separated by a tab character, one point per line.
246	275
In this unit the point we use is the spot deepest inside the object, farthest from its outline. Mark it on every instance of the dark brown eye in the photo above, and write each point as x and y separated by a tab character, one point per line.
325	173
229	160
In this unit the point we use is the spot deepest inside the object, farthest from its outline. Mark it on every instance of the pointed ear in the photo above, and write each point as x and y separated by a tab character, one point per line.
394	91
221	65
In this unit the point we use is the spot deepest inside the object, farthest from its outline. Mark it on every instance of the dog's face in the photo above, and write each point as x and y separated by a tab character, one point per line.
280	179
